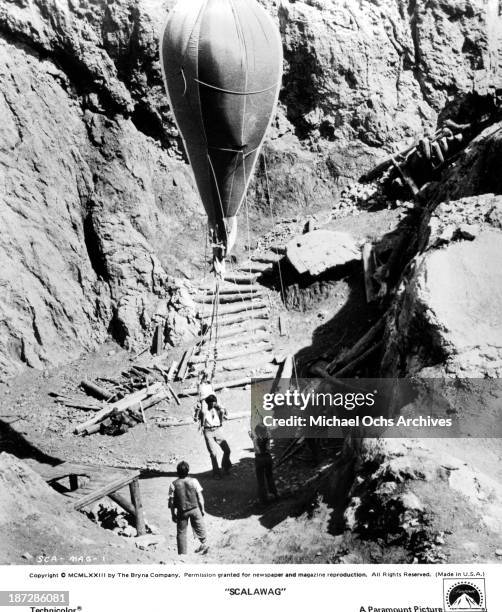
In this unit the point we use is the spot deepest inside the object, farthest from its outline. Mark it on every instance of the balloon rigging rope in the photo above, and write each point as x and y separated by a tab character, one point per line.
235	93
247	224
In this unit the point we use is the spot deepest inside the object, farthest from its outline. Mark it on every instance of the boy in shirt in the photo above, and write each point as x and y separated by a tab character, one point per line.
187	506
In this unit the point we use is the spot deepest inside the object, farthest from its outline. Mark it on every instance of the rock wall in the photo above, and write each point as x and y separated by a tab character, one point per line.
447	317
98	210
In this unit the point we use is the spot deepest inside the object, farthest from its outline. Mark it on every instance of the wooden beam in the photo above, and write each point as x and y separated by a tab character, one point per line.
104	491
283	325
251	350
369	269
359	347
238	382
127	402
250	327
173	393
138	507
159	339
96	390
240	279
73	482
256	313
240	306
123	503
231	289
350	367
229	298
172	370
184	363
246	337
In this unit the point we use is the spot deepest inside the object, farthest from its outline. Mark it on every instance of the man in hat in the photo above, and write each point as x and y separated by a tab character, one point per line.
211	415
187	506
264	465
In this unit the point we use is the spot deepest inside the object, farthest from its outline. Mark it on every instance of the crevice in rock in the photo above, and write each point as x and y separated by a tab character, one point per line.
93	247
117	330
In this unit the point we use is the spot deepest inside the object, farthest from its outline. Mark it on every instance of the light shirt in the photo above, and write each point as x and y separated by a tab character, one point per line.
210	417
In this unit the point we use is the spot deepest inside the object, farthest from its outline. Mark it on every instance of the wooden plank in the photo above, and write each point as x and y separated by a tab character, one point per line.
64	470
96	390
350	367
269	258
138	506
159	339
127	402
172	371
244	338
234	308
250	350
360	346
104	491
229	298
238	382
231	289
250	327
122	502
173	393
283	325
255	314
240	279
148	403
369	268
185	362
256	267
73	482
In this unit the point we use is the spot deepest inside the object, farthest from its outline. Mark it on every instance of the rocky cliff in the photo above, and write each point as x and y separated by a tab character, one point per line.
98	211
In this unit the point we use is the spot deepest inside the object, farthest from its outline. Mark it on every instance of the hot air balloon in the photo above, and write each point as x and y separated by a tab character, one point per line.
222	66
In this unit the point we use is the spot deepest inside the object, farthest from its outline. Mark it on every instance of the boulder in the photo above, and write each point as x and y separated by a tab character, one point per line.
447	314
321	250
458	291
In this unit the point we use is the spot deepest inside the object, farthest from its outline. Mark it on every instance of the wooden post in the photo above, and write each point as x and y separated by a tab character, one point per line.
73	482
95	390
368	264
159	339
123	503
283	325
138	506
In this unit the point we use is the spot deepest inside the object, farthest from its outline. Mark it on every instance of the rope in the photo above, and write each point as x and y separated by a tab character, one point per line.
236	93
247	225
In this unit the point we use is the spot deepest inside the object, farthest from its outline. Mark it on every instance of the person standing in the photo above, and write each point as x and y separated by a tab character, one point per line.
264	465
211	415
187	506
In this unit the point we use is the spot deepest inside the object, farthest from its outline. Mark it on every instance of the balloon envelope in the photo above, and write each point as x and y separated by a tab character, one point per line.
222	64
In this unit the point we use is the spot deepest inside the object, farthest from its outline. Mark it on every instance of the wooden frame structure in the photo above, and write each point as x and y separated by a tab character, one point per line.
88	484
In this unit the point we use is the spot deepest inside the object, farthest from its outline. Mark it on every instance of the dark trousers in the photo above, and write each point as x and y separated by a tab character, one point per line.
265	476
194	517
214	438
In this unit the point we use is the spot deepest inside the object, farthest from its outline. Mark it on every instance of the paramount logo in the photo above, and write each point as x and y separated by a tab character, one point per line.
464	595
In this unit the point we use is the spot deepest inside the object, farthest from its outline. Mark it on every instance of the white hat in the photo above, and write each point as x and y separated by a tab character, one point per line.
205	391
